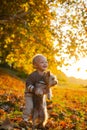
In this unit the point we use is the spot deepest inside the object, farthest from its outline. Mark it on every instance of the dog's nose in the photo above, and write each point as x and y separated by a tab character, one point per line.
56	82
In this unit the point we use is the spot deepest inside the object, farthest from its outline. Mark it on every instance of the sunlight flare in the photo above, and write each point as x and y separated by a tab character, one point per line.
77	70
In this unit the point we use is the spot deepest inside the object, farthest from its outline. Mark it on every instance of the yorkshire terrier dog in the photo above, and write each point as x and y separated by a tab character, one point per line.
40	114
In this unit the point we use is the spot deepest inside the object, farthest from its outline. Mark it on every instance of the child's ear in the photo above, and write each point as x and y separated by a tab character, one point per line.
34	66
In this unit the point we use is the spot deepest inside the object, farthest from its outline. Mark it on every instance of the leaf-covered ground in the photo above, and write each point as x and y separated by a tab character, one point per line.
67	109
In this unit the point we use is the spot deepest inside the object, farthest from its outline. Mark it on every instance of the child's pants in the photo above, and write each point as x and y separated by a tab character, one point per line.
28	110
28	106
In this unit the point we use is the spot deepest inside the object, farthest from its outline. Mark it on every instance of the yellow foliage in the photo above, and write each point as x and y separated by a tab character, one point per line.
8	40
5	46
31	2
25	6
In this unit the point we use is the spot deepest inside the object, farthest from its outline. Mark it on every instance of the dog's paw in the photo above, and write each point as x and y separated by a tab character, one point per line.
38	91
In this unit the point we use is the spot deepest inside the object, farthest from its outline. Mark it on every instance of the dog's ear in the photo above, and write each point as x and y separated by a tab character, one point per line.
48	73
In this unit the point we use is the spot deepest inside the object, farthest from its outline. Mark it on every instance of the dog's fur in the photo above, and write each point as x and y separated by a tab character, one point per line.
40	108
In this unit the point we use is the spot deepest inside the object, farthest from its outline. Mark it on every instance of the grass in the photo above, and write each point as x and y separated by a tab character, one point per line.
67	109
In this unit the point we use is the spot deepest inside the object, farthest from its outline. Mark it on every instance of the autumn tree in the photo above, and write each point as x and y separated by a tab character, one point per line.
71	30
25	31
28	27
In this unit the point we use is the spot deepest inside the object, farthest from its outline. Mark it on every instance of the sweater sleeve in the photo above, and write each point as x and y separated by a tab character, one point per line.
30	83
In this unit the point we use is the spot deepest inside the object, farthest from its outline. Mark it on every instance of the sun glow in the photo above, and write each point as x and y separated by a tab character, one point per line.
77	70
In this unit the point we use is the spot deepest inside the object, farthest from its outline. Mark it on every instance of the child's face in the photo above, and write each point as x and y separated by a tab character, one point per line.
41	63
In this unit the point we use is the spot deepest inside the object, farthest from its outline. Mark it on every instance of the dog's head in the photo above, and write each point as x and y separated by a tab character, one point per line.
50	79
43	87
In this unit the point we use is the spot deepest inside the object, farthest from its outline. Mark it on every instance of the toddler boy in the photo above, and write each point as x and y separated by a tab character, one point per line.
40	64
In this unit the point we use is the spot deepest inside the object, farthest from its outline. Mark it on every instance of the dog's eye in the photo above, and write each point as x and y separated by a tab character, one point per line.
53	78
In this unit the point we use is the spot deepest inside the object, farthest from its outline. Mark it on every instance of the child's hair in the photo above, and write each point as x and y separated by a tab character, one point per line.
37	57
